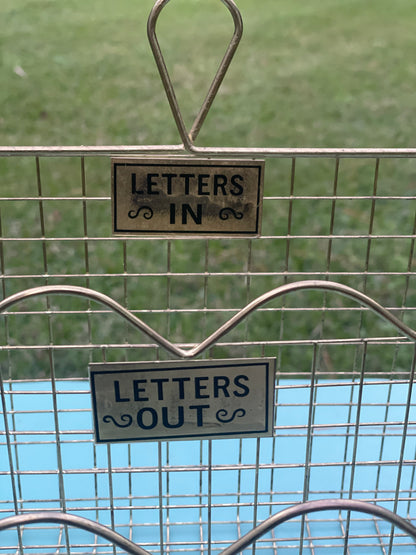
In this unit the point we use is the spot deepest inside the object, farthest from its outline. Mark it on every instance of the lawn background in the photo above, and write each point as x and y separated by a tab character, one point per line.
318	74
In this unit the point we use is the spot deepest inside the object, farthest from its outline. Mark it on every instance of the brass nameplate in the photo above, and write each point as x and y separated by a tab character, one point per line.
182	399
187	197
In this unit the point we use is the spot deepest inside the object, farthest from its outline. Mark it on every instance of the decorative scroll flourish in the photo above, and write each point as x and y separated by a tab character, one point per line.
289	288
145	210
225	213
124	418
222	415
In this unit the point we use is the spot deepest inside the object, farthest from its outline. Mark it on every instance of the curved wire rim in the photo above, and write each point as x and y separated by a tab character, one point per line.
319	505
78	522
236	547
286	289
186	137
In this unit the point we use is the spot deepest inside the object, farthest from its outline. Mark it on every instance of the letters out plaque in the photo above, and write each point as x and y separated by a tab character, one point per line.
183	196
182	399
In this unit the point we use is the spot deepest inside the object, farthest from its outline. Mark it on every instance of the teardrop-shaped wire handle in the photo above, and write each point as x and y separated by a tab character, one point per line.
188	138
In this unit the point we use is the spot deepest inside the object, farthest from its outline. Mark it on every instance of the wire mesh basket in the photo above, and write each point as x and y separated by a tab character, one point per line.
323	299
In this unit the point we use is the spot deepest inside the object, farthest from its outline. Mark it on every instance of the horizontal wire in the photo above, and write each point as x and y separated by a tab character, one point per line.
204	468
121	150
88	198
391	341
294	236
207	275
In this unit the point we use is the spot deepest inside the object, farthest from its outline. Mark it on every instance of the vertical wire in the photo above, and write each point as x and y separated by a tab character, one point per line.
409	267
239	476
16	491
403	445
273	476
109	464
412	489
126	327
397	347
309	441
246	334
368	250
58	443
347	428
402	316
160	484
290	216
168	332
206	277
50	350
209	497
364	288
248	285
332	219
365	277
95	463
4	294
10	456
111	491
256	490
88	312
330	243
272	471
86	245
381	450
125	296
167	498
239	482
287	253
370	233
130	487
355	445
307	525
205	302
168	287
371	224
200	497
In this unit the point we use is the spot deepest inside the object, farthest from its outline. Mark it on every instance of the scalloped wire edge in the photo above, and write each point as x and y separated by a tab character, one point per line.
76	521
236	547
349	292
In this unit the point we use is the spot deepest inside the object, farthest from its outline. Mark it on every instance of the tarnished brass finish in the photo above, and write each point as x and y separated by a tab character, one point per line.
201	399
187	197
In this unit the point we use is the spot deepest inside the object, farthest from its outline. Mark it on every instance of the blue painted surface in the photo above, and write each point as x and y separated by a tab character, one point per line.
90	490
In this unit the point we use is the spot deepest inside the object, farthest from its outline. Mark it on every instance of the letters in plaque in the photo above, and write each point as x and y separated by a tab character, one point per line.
182	400
183	196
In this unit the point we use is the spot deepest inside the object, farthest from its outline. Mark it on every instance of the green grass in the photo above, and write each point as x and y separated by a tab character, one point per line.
304	75
313	74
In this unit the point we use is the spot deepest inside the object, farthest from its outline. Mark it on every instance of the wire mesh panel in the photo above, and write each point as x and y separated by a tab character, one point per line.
328	290
344	415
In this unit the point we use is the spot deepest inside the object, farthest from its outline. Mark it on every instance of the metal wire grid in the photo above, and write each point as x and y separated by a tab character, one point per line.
189	497
50	239
345	415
